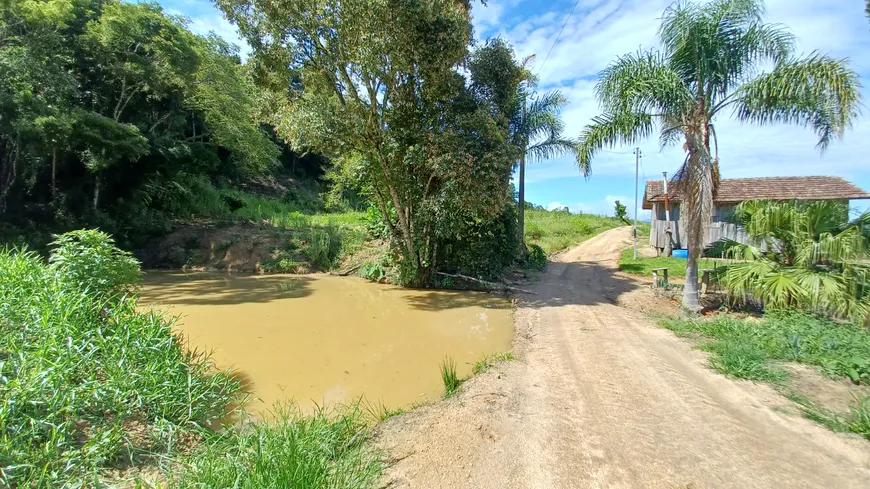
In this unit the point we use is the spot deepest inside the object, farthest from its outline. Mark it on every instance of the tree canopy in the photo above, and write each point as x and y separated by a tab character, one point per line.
376	84
104	102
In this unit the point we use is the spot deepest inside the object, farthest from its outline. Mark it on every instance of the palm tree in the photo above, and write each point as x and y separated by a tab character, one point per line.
805	255
536	128
710	63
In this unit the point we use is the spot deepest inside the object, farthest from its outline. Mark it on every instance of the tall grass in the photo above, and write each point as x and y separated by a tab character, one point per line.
88	380
555	231
449	377
322	450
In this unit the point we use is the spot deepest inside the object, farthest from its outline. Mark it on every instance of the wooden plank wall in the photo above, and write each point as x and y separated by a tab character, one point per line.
658	237
716	232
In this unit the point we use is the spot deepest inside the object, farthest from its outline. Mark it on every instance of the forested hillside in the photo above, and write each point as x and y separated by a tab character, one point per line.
115	115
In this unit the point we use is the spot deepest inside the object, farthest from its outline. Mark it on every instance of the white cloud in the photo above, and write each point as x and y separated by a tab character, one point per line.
602	207
601	30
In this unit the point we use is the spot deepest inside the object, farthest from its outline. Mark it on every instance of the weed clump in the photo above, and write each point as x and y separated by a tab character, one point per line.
449	377
324	449
490	361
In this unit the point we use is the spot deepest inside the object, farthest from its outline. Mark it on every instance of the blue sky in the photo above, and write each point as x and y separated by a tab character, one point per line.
600	30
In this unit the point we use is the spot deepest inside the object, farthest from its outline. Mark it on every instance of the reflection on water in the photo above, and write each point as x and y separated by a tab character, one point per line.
327	339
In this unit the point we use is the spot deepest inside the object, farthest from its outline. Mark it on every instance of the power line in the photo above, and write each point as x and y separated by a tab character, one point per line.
558	36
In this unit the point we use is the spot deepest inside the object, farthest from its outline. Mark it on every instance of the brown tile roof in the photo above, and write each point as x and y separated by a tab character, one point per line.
770	188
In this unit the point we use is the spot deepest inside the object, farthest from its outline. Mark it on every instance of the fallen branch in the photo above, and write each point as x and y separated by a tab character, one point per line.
491	285
346	272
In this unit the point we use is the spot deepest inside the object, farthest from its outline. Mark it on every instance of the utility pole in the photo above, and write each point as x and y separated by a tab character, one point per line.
636	165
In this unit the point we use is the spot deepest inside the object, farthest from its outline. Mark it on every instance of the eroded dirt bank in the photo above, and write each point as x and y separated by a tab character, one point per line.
600	397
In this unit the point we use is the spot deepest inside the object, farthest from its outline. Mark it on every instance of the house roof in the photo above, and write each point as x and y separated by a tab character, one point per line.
732	190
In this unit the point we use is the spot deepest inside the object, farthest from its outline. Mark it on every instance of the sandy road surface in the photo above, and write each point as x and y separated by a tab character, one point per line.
600	397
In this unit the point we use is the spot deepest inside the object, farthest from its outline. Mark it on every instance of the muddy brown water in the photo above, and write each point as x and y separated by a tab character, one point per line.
325	340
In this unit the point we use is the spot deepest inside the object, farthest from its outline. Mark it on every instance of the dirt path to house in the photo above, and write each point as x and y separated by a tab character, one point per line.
600	397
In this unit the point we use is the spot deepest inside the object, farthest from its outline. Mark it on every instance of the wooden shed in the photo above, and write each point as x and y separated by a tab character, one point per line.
731	192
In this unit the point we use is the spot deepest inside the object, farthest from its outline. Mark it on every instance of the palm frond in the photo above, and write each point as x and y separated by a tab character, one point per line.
542	118
671	133
818	91
712	45
551	148
780	289
739	251
643	82
741	279
607	131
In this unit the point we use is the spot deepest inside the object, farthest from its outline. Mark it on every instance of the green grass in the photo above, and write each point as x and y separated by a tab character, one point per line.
90	381
753	349
378	411
857	420
449	378
556	231
644	266
324	449
490	361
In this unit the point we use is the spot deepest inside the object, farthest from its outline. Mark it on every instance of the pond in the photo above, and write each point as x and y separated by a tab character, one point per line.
325	340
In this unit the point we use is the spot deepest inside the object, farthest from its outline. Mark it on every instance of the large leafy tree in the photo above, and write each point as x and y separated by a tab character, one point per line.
711	63
375	84
805	255
535	124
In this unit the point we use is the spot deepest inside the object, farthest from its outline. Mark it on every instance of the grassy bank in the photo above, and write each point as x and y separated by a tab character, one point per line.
557	230
325	449
94	388
644	265
756	350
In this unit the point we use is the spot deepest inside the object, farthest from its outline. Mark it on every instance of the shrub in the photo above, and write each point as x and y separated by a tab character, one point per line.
89	259
321	246
485	249
374	271
89	379
803	255
537	258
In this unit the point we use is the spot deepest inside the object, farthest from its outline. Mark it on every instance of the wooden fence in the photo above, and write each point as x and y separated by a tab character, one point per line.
717	231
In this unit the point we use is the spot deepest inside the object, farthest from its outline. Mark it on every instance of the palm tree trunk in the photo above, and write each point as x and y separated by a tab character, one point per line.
522	201
698	204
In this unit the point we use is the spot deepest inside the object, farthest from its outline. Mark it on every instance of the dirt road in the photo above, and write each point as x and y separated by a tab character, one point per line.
602	398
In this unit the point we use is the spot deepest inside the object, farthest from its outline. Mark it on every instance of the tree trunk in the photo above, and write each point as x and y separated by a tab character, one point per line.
96	191
522	202
8	169
53	173
691	298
